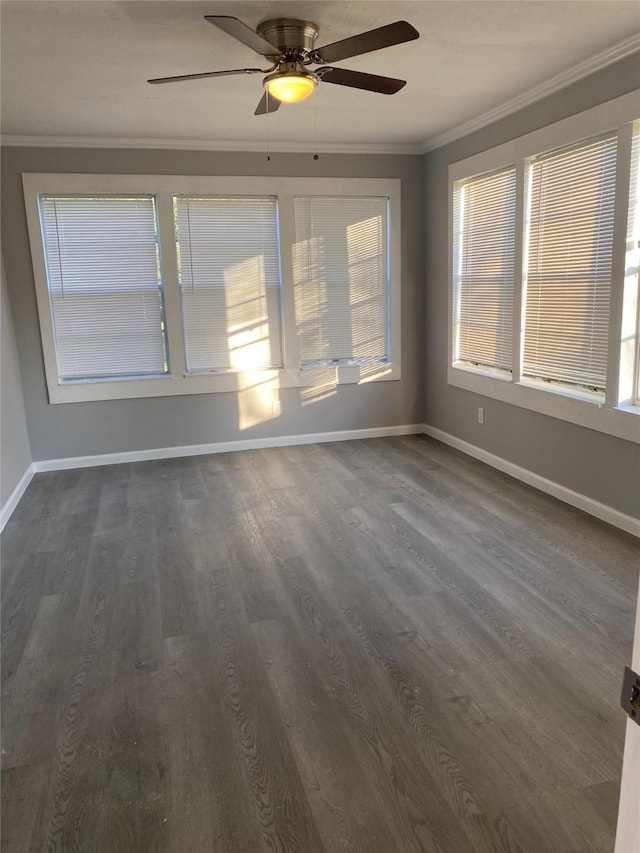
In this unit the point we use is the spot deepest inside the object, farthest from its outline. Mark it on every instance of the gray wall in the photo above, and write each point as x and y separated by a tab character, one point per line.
15	455
77	429
589	462
592	463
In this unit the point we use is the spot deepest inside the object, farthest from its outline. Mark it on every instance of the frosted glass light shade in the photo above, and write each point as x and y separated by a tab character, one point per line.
290	87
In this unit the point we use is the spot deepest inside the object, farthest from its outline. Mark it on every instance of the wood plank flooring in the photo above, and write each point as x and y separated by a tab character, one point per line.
378	646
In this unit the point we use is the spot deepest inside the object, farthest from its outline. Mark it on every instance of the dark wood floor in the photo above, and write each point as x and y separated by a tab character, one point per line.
373	645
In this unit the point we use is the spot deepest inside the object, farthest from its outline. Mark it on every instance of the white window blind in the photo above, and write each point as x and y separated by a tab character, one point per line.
229	274
568	282
633	258
484	245
341	279
105	286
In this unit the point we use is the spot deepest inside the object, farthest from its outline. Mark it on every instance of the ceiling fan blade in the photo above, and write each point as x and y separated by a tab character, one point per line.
206	74
386	36
234	27
268	104
360	80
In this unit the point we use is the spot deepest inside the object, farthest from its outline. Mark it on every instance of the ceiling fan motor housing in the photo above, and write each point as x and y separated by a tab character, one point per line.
287	68
294	38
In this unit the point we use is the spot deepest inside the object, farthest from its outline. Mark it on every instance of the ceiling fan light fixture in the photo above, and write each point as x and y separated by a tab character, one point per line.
290	87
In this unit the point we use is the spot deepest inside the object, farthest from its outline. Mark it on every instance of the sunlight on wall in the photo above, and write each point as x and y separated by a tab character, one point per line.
371	372
258	398
323	388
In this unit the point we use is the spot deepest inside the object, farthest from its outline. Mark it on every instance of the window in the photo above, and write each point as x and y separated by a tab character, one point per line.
630	354
568	273
105	286
341	280
150	285
544	270
484	245
229	276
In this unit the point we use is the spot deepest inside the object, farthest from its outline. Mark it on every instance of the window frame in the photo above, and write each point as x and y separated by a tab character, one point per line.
617	414
164	187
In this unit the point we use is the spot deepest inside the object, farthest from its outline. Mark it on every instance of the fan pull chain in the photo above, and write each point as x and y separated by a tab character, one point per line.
267	129
315	125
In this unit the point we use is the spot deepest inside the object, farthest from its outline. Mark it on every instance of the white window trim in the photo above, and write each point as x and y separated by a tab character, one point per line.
164	187
608	416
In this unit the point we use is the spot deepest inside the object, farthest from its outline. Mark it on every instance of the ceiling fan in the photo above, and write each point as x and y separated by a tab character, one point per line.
289	44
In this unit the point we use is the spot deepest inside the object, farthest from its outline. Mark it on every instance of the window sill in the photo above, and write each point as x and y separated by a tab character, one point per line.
574	407
167	386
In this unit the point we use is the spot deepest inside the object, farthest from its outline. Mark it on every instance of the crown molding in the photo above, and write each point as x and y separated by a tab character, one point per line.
554	84
15	141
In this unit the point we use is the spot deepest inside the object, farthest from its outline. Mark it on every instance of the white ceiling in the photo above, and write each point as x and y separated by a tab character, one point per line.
79	69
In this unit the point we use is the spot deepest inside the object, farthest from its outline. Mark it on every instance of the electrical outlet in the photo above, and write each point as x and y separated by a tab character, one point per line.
480	415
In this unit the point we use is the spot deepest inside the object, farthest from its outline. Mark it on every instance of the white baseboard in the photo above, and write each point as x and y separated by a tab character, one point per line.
12	501
587	504
222	447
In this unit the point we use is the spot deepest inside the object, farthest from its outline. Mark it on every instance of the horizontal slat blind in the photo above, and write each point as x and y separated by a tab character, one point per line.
229	273
633	248
105	286
569	265
341	279
484	244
